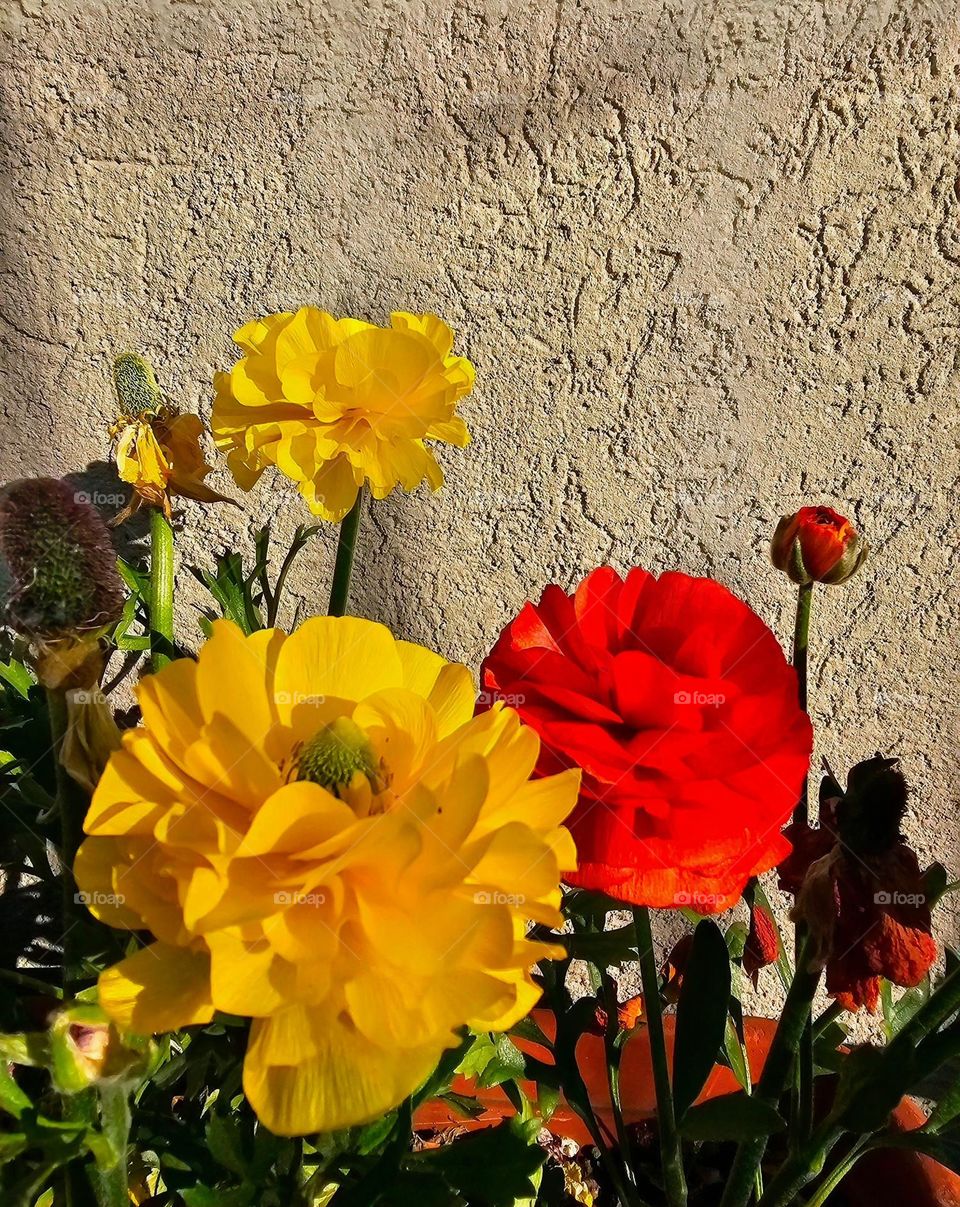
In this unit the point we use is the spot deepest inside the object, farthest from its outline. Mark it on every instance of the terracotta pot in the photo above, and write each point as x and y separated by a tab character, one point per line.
891	1177
636	1080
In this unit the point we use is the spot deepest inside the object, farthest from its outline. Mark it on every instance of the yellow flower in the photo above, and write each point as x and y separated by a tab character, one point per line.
321	836
336	402
157	449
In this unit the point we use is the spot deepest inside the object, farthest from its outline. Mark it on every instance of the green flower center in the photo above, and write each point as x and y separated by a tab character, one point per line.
334	755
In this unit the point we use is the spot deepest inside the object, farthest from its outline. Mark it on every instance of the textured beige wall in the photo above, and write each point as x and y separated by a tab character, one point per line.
704	256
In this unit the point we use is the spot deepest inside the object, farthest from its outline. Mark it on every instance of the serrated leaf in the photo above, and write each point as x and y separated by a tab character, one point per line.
731	1117
701	1014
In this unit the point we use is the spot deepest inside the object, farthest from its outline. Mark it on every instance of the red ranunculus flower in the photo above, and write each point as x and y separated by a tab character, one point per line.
676	700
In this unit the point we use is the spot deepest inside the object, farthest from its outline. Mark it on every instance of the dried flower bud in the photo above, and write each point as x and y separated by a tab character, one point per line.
59	561
870	812
817	544
92	736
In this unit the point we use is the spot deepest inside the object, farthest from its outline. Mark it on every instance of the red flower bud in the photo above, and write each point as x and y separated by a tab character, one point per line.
762	947
817	544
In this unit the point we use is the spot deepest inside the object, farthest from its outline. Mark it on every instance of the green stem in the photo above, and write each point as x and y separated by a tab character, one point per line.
110	1185
801	1114
822	1021
801	641
346	547
673	1180
801	1167
29	983
72	807
793	1020
612	1049
161	589
572	1083
836	1175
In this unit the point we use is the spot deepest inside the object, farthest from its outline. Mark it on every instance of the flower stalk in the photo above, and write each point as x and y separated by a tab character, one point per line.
673	1178
161	589
802	1113
72	805
346	549
773	1079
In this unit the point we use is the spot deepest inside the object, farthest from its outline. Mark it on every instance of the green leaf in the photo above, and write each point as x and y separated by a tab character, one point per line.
494	1166
225	1142
603	947
736	938
937	884
731	1117
12	1099
17	676
493	1060
701	1014
734	1052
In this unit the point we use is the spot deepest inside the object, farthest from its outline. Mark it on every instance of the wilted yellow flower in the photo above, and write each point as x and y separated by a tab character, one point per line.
321	836
157	449
336	402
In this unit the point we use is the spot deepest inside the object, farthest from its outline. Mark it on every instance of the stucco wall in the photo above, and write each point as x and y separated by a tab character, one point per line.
703	255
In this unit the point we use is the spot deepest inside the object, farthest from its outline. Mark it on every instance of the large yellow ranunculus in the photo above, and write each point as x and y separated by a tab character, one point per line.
321	836
337	402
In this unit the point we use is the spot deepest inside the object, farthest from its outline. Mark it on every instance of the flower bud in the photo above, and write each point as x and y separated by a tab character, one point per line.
817	544
86	1049
762	946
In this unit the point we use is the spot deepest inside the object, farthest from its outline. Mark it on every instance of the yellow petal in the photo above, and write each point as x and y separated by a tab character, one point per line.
348	1080
159	988
343	657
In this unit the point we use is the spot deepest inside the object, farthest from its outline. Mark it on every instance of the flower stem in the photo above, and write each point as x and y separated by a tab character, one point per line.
793	1020
836	1176
346	547
801	639
161	589
72	806
612	1049
673	1180
802	1112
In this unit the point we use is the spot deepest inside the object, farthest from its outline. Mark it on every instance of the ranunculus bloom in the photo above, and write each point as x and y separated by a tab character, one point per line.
336	402
322	836
817	544
677	702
